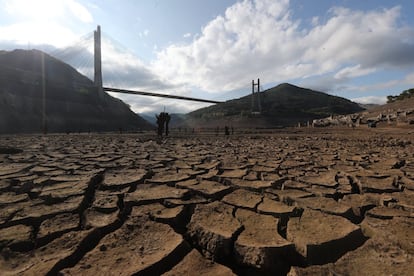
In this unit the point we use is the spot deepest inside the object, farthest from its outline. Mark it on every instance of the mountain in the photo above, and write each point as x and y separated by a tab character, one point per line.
150	118
34	86
283	105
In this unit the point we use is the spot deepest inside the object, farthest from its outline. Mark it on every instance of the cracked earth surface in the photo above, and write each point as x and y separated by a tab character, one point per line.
331	202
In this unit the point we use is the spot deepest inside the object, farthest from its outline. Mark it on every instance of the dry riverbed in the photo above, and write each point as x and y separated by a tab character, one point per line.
298	202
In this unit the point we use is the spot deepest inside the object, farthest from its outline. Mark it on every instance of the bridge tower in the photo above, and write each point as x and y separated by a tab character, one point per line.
98	61
256	101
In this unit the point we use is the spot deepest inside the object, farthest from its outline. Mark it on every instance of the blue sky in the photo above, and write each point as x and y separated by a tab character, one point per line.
360	50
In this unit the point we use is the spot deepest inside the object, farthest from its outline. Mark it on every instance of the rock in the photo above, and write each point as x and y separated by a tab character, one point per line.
10	198
210	189
17	237
214	229
327	179
95	219
254	185
372	258
151	194
378	184
186	201
375	258
251	175
325	270
291	184
186	183
383	212
360	203
139	246
208	165
191	172
58	192
277	208
403	200
259	245
274	177
118	179
167	178
105	202
236	173
57	225
289	164
195	262
323	238
208	175
42	260
8	169
321	191
408	183
243	198
258	168
39	210
64	177
179	164
327	205
289	196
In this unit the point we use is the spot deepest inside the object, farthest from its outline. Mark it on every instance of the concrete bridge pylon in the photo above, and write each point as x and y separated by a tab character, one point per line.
98	61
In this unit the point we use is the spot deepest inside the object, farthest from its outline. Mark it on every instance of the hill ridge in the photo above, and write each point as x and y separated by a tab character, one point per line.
72	103
282	105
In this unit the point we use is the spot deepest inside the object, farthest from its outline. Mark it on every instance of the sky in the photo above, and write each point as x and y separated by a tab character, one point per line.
359	50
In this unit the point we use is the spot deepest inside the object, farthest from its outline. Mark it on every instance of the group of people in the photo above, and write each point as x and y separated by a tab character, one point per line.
163	119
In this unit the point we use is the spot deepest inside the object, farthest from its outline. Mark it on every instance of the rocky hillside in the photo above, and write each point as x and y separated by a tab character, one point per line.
71	103
283	105
398	113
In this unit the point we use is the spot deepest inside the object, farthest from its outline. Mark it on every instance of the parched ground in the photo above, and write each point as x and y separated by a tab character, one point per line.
297	202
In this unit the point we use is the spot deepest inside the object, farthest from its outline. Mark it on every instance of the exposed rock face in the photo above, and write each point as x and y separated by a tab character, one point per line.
70	101
264	204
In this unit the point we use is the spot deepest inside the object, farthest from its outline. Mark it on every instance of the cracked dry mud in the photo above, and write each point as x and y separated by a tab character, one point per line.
331	202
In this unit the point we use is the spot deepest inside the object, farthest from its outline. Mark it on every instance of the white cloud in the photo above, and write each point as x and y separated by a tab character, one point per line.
370	100
260	39
187	35
42	21
80	11
47	10
24	33
315	21
353	71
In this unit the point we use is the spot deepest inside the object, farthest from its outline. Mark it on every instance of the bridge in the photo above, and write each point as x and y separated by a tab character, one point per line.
98	78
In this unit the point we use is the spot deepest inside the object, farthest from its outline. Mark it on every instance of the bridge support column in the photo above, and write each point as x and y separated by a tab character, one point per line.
256	105
98	61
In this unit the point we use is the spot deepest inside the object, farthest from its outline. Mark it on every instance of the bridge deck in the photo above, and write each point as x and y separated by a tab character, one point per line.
125	91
